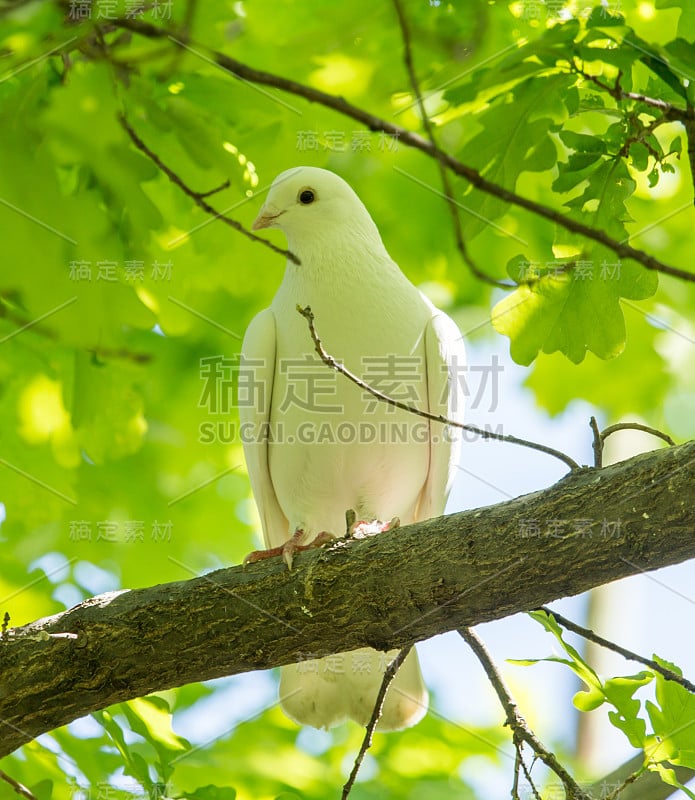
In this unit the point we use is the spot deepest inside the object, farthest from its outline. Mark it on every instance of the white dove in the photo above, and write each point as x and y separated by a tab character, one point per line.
331	446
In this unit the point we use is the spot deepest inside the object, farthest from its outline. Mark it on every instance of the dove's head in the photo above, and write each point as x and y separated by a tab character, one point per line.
313	206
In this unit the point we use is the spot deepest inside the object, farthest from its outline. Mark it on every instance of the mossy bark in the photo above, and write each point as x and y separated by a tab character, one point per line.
592	527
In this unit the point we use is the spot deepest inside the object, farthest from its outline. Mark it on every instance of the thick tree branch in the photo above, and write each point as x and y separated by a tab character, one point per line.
407	137
412	583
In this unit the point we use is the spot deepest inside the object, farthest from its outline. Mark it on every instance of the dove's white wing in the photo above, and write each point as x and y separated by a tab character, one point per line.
256	375
446	358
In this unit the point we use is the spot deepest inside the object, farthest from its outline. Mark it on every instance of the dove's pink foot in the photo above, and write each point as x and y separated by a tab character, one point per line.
364	528
290	547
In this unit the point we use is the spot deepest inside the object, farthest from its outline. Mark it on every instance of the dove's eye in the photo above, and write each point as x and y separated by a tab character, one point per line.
306	196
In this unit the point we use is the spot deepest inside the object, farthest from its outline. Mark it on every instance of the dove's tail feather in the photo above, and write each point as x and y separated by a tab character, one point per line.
325	692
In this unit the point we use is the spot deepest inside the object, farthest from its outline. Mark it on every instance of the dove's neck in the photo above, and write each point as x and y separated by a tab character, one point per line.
361	300
338	256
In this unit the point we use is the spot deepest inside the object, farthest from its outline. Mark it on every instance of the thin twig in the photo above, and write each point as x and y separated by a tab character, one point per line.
225	185
587	633
526	770
120	353
333	363
617	793
389	675
8	312
18	787
517	769
599	437
597	443
198	197
635	426
516	722
671	112
444	175
188	16
375	123
690	140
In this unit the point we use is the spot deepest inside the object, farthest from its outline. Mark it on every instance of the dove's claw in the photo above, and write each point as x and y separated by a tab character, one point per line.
260	555
290	547
362	529
350	520
323	538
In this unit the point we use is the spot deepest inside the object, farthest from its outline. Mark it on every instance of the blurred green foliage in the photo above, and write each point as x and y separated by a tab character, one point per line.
114	286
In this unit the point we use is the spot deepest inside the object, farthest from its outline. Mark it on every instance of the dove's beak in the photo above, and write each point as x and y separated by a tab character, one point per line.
266	217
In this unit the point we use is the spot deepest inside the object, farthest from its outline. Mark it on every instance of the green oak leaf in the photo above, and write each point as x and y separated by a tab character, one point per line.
515	138
579	310
673	719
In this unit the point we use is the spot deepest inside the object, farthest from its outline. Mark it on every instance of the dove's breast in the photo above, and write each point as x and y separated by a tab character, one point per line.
334	445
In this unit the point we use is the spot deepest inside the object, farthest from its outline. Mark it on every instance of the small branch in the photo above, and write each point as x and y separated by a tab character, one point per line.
526	770
597	443
389	675
515	782
599	437
375	123
619	790
520	729
429	128
633	781
671	112
333	363
120	353
198	197
188	17
587	633
216	190
635	426
8	313
690	140
19	788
